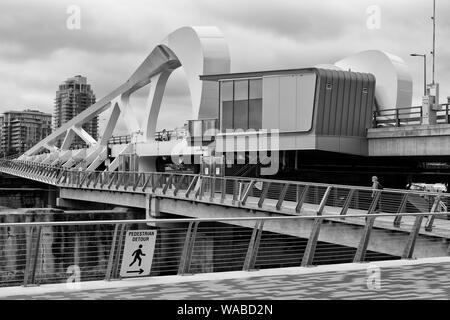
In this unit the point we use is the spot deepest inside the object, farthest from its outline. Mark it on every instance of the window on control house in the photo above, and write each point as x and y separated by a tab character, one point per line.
226	102
255	104
240	108
241	104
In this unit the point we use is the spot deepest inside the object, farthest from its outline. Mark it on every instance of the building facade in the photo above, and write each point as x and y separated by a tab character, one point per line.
311	108
73	97
2	120
20	130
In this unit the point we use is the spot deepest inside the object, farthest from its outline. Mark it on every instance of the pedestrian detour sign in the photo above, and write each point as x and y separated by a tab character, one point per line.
138	253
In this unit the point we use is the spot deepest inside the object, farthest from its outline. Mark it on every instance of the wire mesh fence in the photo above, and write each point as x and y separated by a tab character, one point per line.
36	253
49	253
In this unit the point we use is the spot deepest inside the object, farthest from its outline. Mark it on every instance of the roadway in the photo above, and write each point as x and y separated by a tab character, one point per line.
401	279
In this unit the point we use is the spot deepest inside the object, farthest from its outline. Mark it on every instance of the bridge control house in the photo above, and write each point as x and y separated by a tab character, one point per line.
324	118
313	109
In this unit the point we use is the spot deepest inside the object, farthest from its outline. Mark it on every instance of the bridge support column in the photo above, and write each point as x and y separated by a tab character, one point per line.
152	207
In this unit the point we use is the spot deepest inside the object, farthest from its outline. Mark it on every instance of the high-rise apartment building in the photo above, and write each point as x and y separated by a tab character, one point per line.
2	121
20	130
74	96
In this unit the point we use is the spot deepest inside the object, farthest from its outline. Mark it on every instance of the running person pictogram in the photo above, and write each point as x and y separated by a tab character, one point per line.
137	256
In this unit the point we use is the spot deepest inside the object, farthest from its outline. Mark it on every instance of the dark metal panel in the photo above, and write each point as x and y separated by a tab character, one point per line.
351	103
366	120
363	106
371	100
340	102
345	107
333	105
357	105
327	104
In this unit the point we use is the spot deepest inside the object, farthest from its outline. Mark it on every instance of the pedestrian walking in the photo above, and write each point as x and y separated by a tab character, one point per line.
376	185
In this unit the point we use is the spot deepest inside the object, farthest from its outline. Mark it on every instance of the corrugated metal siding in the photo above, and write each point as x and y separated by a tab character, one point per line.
370	100
320	92
343	107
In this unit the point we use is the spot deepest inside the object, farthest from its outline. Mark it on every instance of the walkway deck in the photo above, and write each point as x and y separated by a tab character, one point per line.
441	227
405	279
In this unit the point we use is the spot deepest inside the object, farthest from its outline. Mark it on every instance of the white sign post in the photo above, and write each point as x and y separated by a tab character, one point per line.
138	253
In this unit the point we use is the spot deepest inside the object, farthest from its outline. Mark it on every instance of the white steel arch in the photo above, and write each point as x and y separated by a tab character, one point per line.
200	50
394	87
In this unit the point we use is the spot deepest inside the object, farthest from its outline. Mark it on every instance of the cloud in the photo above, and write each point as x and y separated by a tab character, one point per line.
289	19
38	52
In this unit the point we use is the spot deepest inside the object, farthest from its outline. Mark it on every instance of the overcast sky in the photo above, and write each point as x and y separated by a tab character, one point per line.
38	51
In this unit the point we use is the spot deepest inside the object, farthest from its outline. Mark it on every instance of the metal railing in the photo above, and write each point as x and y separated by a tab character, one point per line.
125	139
275	196
443	115
11	156
407	116
159	136
170	135
397	117
35	253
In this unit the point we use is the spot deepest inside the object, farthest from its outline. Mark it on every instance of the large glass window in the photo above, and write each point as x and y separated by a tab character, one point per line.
226	101
255	88
241	104
255	104
241	90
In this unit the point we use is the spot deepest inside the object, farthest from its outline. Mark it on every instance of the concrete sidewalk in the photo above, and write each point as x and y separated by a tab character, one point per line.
402	279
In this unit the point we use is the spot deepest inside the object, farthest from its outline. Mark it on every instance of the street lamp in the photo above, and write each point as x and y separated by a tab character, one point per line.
424	56
434	37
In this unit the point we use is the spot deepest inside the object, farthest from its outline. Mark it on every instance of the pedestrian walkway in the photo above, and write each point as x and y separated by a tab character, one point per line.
259	195
403	279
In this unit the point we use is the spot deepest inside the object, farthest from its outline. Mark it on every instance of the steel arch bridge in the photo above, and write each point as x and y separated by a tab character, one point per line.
200	50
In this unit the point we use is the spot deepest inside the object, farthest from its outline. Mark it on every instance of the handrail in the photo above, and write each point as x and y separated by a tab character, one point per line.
405	116
252	218
11	156
159	136
137	182
120	139
182	240
397	117
243	179
290	200
401	108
